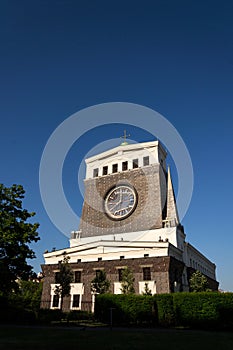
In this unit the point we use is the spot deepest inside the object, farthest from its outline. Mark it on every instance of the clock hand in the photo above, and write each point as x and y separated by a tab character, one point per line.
119	201
121	209
114	206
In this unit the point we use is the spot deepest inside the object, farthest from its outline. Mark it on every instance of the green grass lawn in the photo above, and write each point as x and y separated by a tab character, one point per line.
34	338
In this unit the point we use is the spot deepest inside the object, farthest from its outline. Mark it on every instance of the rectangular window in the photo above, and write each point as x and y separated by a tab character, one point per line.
120	274
99	259
97	273
57	277
124	166
96	172
135	163
76	300
146	255
55	300
146	161
77	276
122	257
105	170
146	274
114	168
79	260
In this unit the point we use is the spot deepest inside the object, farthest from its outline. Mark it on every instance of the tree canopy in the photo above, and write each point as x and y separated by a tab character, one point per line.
198	282
127	282
15	235
63	278
28	295
100	284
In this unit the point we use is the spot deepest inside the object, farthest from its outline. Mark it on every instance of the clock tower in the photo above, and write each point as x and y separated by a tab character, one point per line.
125	190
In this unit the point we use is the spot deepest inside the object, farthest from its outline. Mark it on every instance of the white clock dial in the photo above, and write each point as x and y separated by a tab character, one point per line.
120	202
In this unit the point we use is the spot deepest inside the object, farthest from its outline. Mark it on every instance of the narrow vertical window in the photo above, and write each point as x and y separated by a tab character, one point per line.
77	276
120	275
114	168
124	166
96	172
146	274
76	300
135	163
146	161
57	277
97	273
55	300
105	170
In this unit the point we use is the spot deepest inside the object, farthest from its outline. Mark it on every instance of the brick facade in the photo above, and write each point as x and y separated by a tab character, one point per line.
150	185
164	271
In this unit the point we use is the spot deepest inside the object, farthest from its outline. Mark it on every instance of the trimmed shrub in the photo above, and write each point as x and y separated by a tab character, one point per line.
164	309
225	311
205	310
77	315
126	309
46	316
196	309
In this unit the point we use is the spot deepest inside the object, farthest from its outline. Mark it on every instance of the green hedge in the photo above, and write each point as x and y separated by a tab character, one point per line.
126	309
225	310
206	309
46	316
165	310
79	315
195	310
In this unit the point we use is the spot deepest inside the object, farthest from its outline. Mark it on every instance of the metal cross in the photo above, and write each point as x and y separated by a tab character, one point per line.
125	136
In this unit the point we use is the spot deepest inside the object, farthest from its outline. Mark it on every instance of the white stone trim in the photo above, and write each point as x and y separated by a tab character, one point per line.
151	286
124	153
117	288
76	288
52	293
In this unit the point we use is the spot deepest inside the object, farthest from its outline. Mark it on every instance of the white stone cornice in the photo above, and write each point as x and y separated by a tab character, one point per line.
127	148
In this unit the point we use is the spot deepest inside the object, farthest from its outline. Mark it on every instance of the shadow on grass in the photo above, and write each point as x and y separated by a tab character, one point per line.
47	338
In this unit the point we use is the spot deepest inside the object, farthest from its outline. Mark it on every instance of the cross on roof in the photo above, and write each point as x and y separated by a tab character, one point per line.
125	136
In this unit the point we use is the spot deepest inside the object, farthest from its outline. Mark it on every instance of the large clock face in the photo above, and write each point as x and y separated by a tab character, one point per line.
120	202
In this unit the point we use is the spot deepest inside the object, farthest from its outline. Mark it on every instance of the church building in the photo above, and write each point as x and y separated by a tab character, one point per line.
129	219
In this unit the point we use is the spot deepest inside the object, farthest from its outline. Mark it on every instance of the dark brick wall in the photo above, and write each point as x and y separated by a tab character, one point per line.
164	270
176	269
150	185
48	271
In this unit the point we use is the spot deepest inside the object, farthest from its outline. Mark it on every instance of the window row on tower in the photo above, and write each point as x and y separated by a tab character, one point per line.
123	166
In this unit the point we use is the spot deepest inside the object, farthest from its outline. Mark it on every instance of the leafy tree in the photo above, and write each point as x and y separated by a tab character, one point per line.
100	284
127	282
15	235
198	282
28	296
147	290
64	278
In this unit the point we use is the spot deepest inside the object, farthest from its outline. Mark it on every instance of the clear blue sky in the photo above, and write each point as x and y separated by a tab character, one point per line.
176	57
